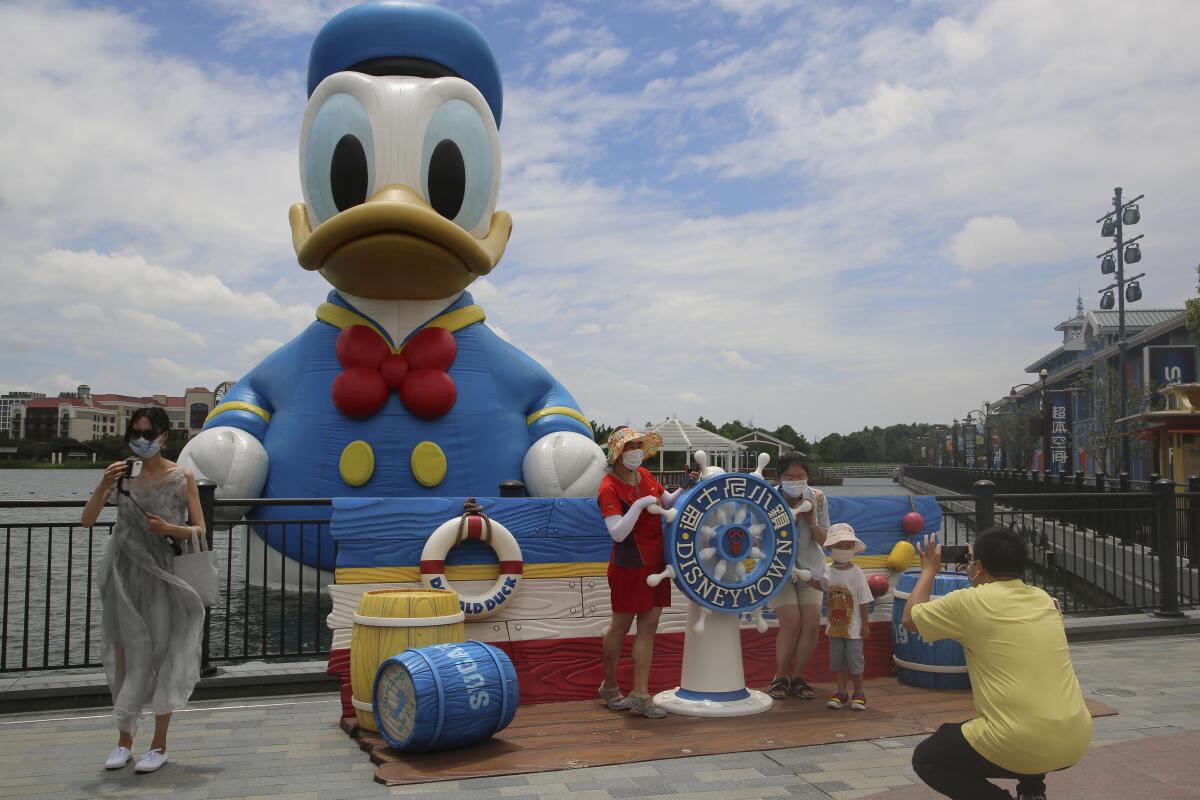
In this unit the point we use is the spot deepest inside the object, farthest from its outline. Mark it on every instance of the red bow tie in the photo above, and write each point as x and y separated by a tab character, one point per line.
370	370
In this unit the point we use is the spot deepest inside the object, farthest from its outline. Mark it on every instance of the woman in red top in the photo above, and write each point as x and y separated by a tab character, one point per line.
626	492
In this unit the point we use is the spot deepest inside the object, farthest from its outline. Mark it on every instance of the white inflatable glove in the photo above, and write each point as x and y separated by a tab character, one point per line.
705	470
563	464
801	575
667	514
232	459
763	460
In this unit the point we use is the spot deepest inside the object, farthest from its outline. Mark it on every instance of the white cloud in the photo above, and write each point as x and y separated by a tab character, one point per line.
985	242
736	360
806	191
190	165
591	61
250	354
187	375
264	19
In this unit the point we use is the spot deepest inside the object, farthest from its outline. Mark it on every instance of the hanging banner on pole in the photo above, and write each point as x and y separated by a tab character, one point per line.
1058	406
968	439
997	453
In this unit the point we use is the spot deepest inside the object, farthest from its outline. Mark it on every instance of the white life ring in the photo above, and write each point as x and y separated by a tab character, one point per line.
453	531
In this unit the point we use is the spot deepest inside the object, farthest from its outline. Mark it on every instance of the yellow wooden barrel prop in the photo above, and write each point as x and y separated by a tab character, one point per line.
389	621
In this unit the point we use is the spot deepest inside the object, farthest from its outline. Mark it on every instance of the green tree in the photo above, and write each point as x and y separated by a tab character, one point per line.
1191	313
1102	387
830	448
601	432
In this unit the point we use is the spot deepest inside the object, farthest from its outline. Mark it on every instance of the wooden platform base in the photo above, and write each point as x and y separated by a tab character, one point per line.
570	735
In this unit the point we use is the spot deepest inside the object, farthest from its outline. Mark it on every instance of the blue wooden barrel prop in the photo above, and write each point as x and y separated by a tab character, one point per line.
941	665
444	695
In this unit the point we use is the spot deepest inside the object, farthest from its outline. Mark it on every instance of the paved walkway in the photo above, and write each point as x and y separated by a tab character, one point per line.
291	748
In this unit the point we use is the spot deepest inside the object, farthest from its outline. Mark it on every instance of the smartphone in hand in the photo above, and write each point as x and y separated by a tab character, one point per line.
954	554
133	467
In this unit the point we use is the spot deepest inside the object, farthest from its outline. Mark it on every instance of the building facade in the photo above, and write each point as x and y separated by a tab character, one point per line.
83	416
13	402
1079	397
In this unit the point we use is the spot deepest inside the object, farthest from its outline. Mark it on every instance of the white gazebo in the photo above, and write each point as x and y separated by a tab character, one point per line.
680	437
761	441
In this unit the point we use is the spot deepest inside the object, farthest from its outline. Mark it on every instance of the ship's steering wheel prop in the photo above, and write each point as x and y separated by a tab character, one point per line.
730	548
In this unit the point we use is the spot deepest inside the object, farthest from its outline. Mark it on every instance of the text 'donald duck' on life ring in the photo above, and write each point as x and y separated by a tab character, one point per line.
460	529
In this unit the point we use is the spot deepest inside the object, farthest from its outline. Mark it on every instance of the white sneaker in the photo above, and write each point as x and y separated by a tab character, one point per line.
118	758
151	761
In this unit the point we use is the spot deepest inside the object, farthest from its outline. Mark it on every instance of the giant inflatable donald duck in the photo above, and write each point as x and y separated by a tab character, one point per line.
398	388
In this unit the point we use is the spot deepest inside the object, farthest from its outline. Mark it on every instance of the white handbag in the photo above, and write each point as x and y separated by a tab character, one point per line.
199	569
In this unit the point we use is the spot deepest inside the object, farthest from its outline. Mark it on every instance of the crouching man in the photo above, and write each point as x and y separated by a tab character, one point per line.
1031	716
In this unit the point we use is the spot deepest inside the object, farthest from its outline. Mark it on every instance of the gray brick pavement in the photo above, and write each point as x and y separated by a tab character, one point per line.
277	748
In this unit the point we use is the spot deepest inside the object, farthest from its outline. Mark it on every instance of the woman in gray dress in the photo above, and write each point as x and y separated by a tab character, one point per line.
153	622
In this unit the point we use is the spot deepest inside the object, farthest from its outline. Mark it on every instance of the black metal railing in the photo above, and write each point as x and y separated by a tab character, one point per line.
1097	552
267	608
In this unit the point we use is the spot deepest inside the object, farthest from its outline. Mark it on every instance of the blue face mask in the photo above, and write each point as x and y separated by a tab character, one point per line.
143	449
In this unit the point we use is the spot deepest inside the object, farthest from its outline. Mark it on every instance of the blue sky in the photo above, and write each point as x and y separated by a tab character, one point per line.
823	214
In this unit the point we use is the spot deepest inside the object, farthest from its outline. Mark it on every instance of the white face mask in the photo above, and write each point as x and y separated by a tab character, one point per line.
842	556
794	488
143	449
632	459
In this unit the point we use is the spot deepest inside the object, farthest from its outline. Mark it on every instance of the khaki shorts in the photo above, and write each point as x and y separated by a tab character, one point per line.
796	594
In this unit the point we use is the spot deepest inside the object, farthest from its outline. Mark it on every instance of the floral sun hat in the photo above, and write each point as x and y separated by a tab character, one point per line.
843	532
651	442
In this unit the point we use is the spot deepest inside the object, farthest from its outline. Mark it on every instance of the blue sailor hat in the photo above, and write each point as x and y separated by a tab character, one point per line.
403	37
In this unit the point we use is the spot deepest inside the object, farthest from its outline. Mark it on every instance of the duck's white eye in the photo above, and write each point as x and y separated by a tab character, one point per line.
339	157
457	166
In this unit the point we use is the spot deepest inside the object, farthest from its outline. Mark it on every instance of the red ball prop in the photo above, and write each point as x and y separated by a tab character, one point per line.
393	369
359	392
428	393
360	346
431	348
913	523
878	585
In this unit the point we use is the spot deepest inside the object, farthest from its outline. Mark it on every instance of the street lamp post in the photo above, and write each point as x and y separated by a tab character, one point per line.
1113	225
954	443
1041	387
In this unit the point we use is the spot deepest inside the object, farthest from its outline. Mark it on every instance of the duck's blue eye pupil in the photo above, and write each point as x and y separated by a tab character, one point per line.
447	179
348	173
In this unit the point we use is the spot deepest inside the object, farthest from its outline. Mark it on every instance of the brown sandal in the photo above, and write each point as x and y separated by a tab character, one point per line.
800	688
779	688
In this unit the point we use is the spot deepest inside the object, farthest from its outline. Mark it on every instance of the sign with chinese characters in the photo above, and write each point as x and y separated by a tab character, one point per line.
968	438
1058	432
733	544
1174	364
997	454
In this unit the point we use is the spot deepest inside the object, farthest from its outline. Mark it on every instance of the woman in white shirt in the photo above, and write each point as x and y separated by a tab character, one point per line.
798	605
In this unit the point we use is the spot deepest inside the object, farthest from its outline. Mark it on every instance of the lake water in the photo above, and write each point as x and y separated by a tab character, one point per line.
50	615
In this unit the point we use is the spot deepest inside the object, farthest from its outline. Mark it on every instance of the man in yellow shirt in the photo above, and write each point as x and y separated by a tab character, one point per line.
1031	716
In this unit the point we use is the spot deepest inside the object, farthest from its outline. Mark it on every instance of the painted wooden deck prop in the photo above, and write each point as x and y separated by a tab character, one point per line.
564	736
941	665
444	696
551	626
389	621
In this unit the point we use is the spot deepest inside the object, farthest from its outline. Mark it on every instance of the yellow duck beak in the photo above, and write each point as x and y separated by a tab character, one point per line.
395	246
